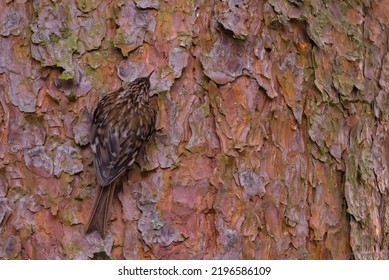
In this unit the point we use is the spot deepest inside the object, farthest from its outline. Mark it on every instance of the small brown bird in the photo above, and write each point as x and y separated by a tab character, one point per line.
122	123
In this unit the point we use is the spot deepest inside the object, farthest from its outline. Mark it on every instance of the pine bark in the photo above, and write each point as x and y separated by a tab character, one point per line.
272	137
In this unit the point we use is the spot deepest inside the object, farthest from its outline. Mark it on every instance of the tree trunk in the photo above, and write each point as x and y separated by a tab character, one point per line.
272	137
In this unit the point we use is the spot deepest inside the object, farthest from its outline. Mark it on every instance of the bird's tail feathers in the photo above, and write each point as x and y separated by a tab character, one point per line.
99	217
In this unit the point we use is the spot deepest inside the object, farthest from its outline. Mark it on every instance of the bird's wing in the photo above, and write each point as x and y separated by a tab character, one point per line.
117	137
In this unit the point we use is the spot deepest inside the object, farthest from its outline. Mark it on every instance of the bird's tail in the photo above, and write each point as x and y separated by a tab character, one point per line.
99	217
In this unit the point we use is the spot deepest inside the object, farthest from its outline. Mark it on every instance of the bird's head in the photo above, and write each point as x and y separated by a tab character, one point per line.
139	89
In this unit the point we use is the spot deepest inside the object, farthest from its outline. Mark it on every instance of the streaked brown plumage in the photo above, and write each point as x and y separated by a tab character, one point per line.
122	123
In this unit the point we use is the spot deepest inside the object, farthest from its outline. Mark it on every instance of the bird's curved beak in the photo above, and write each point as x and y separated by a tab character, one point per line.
149	75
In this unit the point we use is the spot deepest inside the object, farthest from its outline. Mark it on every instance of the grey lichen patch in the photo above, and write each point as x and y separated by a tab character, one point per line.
4	185
24	80
26	133
26	205
178	60
133	25
233	16
23	91
197	124
229	240
165	80
128	70
253	182
5	209
55	34
153	229
6	56
66	159
9	22
91	34
226	60
147	4
81	129
39	161
203	134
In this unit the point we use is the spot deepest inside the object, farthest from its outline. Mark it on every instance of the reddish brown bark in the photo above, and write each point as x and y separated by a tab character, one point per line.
273	128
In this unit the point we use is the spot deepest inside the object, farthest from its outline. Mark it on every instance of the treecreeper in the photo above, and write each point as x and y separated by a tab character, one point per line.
122	123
